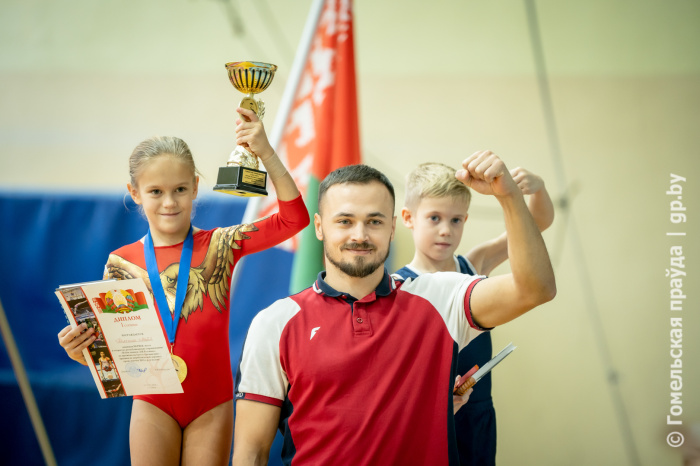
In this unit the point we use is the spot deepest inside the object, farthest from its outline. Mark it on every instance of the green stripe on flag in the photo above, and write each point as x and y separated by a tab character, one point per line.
308	259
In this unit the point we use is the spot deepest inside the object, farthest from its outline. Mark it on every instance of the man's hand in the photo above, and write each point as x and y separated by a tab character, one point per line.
485	173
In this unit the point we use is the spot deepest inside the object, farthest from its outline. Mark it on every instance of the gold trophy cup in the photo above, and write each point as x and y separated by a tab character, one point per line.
241	175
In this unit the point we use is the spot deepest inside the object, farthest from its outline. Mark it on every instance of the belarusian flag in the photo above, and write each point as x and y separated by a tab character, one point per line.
321	132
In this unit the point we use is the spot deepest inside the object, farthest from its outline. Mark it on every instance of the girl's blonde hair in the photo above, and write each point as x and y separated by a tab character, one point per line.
159	145
436	180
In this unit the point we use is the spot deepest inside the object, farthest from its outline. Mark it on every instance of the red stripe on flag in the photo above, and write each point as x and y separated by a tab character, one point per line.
322	131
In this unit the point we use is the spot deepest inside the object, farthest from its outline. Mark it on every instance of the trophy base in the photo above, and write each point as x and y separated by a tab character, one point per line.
241	181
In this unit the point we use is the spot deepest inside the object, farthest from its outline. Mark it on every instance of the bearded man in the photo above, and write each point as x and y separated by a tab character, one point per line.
359	368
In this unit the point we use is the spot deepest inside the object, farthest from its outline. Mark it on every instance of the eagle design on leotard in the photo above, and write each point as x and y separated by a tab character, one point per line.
211	277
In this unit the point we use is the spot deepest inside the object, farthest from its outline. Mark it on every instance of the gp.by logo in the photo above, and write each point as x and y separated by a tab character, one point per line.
675	439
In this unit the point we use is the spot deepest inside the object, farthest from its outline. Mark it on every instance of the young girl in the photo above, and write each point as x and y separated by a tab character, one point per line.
195	427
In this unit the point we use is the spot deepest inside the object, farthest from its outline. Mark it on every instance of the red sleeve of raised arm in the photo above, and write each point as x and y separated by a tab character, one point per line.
278	227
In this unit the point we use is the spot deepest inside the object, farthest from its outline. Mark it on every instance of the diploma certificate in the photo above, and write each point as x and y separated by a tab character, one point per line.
130	355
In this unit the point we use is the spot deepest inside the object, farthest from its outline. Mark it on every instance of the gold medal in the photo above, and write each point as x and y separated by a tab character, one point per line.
180	367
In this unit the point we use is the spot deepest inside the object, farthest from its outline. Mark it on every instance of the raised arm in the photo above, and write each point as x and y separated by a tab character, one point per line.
497	300
256	424
488	255
253	134
540	204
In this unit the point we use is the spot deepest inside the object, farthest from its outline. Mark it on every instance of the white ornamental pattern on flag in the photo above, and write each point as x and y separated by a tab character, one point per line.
299	144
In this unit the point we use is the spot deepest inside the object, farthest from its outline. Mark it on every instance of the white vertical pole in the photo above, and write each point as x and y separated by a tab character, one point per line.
295	73
290	90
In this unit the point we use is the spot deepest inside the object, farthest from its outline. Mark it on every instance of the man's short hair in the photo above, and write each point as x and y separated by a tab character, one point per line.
359	174
435	180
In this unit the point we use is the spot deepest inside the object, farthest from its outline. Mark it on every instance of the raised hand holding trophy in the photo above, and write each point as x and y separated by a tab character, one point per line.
241	175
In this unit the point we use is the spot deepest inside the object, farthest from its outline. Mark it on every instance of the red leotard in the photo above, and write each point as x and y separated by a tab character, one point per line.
202	339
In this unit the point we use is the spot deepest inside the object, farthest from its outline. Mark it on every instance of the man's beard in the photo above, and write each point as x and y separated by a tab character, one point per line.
360	267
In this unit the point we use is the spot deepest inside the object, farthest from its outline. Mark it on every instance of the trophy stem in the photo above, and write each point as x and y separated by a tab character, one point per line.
250	103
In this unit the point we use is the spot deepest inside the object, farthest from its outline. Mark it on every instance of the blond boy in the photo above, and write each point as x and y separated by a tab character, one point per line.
436	209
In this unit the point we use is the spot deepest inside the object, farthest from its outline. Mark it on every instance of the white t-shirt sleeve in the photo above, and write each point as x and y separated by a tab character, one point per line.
447	292
261	376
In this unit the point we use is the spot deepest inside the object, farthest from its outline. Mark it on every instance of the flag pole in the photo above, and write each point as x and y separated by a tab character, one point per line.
290	90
